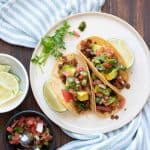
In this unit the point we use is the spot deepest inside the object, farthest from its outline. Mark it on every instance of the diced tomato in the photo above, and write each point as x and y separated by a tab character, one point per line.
122	103
80	69
67	95
99	94
9	129
72	92
30	122
80	77
104	108
98	52
65	73
75	33
106	65
33	129
109	52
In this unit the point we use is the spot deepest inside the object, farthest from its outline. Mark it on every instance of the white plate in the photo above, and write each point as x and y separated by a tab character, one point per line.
106	26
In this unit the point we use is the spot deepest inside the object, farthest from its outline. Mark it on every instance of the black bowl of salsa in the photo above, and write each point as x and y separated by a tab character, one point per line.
38	125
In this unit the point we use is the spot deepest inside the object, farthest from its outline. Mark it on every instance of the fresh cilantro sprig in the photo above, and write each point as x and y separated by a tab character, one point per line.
52	45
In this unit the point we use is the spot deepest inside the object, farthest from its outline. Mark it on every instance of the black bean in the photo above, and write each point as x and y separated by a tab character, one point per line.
127	85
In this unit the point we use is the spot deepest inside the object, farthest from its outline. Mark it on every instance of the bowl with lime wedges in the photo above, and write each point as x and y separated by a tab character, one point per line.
14	83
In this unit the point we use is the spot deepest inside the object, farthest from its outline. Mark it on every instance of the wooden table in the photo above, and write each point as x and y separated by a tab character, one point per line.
136	12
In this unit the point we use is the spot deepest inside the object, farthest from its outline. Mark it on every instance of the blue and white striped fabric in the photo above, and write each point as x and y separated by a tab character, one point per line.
23	22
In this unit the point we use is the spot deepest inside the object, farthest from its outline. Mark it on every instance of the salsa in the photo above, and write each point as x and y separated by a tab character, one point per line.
105	61
76	80
36	128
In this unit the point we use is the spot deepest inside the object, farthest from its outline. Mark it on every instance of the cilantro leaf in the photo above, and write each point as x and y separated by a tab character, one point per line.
52	45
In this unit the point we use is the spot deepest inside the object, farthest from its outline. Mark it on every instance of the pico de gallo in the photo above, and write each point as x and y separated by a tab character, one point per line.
35	126
105	61
106	99
76	81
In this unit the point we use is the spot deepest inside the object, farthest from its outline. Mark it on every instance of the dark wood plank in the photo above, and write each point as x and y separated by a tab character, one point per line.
135	12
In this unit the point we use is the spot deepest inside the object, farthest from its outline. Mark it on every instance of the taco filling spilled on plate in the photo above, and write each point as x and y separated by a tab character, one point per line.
107	102
74	76
107	61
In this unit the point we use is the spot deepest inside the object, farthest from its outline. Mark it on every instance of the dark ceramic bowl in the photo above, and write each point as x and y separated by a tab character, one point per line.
51	145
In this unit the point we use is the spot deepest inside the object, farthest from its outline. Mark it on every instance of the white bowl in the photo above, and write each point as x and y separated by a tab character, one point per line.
18	69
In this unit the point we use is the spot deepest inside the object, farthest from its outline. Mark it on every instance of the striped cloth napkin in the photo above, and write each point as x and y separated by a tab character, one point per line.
23	22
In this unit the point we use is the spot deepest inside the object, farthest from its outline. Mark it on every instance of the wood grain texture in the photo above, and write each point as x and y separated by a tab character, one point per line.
135	12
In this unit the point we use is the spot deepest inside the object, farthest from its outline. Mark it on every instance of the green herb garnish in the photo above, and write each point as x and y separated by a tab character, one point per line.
9	137
46	143
18	130
99	60
70	83
82	26
52	45
80	106
123	68
111	100
94	77
97	99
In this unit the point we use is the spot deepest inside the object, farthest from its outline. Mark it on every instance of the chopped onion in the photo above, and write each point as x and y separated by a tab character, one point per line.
102	86
39	127
37	137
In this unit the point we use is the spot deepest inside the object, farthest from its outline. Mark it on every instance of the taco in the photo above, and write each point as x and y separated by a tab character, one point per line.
73	86
106	101
105	61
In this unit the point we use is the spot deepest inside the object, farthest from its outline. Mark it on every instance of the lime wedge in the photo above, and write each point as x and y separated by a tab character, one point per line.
51	98
4	68
124	51
9	87
10	101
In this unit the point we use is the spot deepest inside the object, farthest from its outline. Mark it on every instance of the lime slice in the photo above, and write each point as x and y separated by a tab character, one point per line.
124	51
10	101
51	98
9	87
4	68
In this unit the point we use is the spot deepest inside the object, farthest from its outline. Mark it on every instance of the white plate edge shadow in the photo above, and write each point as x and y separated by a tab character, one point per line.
76	130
